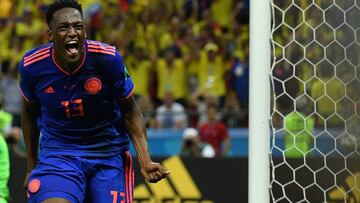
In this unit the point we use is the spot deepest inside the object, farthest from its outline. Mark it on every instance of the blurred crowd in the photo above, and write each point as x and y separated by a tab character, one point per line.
183	55
315	71
187	58
188	55
316	57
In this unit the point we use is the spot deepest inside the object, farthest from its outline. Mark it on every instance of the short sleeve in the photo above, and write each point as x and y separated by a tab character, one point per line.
27	85
118	75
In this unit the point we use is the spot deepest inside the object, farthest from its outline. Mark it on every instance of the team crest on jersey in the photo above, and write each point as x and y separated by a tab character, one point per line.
93	85
34	185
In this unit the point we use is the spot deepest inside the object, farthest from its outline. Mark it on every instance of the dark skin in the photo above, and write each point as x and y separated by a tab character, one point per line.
67	25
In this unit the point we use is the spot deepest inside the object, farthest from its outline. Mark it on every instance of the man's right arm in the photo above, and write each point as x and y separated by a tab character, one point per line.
29	115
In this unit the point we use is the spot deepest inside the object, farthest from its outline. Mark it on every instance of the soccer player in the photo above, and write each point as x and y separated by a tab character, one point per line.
78	104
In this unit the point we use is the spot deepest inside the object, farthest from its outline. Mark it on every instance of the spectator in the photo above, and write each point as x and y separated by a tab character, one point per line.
193	147
6	27
221	10
171	75
28	29
140	66
212	71
194	8
199	31
240	80
232	115
209	22
171	36
200	100
145	33
192	58
5	8
215	133
9	86
170	114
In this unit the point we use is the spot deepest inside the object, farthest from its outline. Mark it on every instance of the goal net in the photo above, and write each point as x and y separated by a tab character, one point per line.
315	75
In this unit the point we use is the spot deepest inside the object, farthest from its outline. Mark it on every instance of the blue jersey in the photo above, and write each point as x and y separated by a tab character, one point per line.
240	77
79	110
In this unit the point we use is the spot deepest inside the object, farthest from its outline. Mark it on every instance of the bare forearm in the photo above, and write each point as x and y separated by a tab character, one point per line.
31	135
139	140
136	127
152	172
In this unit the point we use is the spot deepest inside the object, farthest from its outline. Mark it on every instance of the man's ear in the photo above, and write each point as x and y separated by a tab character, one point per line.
50	34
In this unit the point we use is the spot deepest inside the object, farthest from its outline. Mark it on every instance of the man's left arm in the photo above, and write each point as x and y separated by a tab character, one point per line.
134	122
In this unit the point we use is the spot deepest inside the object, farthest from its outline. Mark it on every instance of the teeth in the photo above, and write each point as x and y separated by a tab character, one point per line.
72	42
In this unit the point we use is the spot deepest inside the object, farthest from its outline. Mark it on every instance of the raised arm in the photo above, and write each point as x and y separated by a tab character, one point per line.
29	115
152	172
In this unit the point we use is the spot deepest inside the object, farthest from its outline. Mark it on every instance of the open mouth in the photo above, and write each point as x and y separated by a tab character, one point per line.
72	48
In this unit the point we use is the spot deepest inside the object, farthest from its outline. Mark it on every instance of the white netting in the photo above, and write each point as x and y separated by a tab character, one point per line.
315	153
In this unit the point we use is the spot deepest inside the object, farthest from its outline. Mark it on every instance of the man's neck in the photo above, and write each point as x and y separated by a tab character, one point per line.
68	66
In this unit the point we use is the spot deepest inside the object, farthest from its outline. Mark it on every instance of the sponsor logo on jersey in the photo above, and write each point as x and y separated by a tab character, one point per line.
49	90
93	85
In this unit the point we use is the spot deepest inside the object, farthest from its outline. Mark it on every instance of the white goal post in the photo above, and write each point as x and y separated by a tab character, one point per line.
259	101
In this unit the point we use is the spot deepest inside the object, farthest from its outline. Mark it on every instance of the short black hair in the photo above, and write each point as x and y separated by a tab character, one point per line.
59	4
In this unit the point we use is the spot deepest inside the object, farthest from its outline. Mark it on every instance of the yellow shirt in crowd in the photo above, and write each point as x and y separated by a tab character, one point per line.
5	35
172	79
140	74
211	75
144	38
221	11
5	8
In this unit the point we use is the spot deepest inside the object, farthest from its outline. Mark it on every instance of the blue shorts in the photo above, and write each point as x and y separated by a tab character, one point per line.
79	179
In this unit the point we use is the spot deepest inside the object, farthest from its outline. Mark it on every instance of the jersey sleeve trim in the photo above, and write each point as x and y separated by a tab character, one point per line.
97	47
101	51
37	56
37	52
36	59
131	92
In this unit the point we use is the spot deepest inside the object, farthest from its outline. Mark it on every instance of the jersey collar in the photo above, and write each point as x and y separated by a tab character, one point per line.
63	70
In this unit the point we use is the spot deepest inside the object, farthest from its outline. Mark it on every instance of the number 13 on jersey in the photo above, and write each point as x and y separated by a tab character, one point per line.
73	108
